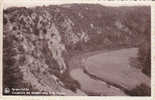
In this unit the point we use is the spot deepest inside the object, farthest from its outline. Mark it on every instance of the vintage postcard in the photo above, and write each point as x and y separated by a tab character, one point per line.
81	49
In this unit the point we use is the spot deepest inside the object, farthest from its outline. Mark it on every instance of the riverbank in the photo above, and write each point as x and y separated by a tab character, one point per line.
78	63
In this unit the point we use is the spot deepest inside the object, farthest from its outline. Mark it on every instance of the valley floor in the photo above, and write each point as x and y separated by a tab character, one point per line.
106	72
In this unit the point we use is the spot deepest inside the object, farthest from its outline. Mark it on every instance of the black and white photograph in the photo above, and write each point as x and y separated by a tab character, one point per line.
77	49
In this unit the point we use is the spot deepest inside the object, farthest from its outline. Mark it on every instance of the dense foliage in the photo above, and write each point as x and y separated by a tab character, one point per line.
40	40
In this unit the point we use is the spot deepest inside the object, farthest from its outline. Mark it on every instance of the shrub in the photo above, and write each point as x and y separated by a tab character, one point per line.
141	90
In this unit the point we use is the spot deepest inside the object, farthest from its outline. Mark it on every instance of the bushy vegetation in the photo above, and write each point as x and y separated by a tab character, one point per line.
103	28
12	76
141	90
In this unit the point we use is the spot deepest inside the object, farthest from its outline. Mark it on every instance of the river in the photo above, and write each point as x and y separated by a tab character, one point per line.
111	72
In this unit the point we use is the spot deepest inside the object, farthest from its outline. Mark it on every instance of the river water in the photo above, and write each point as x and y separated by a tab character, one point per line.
110	67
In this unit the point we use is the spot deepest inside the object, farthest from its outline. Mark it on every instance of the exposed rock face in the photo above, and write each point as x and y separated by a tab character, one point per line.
38	42
35	39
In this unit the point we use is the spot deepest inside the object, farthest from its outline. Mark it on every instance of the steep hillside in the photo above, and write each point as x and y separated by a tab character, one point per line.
38	42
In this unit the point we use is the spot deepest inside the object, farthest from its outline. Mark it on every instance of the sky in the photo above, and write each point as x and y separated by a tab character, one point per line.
32	3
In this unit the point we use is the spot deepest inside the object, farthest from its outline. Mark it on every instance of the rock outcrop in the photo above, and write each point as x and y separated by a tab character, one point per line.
38	42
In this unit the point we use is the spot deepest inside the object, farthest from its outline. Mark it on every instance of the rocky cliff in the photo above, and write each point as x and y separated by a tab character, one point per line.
38	42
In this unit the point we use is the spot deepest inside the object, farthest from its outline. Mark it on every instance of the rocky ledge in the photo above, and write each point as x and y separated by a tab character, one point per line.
39	42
